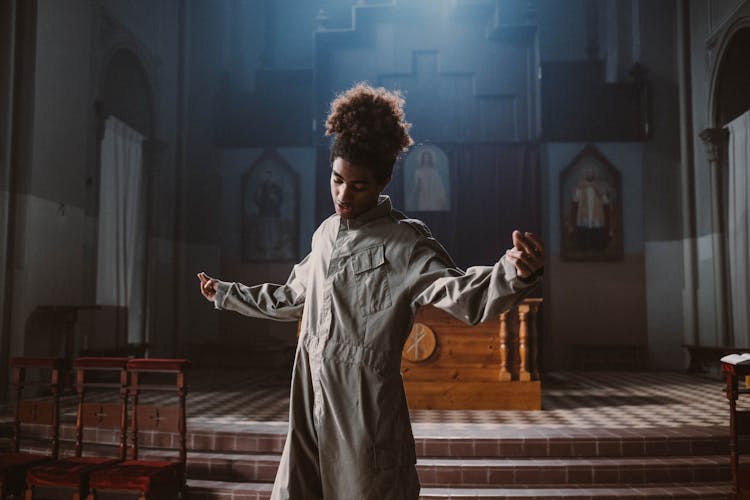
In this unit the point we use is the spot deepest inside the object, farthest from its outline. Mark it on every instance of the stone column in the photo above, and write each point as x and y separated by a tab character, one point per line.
716	140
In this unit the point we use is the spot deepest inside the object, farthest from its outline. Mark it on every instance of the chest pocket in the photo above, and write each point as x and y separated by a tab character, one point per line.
373	290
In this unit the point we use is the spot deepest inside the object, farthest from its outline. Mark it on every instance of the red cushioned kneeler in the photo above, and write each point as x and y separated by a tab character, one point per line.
42	411
147	477
152	479
73	472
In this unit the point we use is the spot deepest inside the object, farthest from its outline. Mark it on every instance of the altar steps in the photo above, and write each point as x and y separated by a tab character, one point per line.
216	490
466	462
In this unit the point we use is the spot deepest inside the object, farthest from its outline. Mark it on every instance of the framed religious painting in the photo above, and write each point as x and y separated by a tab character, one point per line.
591	208
270	210
427	186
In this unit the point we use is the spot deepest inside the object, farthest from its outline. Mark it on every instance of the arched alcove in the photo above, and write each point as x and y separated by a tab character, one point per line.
731	96
126	93
729	100
125	116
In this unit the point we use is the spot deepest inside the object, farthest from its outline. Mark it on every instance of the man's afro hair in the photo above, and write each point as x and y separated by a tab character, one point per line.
369	128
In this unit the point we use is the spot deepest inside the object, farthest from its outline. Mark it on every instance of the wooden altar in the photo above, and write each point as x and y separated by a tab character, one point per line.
447	364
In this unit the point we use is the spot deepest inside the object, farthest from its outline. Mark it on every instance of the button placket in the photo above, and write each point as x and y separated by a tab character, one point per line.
315	365
336	265
325	316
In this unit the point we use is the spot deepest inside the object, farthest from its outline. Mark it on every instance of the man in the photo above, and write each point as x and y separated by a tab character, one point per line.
355	295
591	213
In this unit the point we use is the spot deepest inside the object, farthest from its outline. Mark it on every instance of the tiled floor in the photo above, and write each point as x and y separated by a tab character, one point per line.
570	400
599	435
622	400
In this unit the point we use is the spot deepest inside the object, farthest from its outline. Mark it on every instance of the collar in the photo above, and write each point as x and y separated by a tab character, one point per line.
382	209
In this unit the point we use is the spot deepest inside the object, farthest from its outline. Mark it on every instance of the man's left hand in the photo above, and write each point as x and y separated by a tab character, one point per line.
527	254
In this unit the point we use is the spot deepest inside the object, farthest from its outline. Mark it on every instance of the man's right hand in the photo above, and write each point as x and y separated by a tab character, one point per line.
208	286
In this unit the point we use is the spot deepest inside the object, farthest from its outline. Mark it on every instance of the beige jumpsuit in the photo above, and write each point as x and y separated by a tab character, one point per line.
357	292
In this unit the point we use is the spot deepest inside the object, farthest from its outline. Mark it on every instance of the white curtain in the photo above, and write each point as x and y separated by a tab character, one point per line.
119	260
739	227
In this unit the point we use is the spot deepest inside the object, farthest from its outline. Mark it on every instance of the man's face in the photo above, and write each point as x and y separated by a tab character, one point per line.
354	189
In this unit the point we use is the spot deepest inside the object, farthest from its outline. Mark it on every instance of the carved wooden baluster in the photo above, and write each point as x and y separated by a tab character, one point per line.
534	310
123	413
134	415
504	375
523	332
732	393
19	376
79	417
56	412
182	393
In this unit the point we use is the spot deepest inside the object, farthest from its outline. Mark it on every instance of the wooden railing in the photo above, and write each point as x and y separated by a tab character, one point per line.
527	341
448	364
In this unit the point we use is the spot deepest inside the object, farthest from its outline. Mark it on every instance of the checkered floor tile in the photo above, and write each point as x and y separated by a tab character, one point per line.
614	400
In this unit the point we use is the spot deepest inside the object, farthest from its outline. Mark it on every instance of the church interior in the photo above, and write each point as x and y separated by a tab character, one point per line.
143	142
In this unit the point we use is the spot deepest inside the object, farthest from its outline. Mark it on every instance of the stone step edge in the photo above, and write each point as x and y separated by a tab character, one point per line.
712	491
698	490
447	431
463	462
265	443
474	463
483	475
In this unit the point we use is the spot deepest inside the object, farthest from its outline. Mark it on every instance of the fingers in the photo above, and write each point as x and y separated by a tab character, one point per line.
528	242
517	239
535	242
523	269
525	262
208	286
532	259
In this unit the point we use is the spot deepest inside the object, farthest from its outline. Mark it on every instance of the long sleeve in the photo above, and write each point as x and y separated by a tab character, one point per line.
474	295
268	301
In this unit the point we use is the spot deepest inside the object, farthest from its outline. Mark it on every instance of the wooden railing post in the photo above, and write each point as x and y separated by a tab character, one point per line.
134	392
732	394
79	417
504	375
56	412
19	376
534	310
182	395
528	366
124	413
56	389
523	332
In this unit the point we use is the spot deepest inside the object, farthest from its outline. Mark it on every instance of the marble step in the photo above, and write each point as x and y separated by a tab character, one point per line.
468	472
217	490
443	442
481	473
